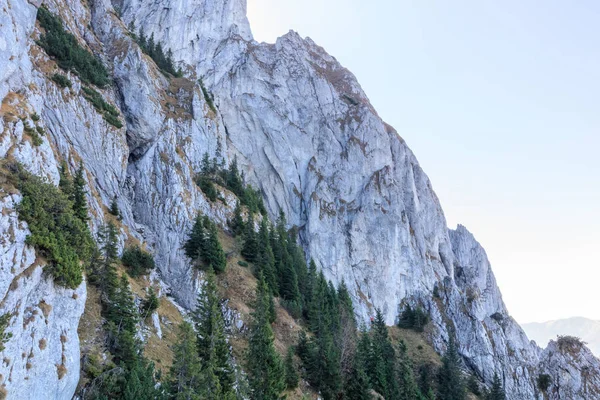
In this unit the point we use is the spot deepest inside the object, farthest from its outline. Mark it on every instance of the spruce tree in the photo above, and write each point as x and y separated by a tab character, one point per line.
79	192
185	374
265	369
407	385
236	224
213	254
497	390
65	183
291	375
196	241
450	382
266	259
114	208
212	346
383	360
250	249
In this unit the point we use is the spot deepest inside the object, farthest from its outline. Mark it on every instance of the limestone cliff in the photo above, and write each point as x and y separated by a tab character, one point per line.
304	133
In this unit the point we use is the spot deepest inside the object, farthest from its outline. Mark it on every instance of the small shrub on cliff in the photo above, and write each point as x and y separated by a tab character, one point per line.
69	55
56	232
414	319
543	382
137	261
61	80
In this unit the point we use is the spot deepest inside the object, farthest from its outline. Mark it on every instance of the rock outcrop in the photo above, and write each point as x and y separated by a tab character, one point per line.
303	131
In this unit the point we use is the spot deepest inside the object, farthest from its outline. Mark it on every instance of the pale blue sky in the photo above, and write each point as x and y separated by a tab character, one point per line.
500	101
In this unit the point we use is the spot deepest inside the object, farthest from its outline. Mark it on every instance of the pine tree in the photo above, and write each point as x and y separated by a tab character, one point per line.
291	375
212	344
265	369
266	260
497	390
150	303
103	273
185	374
213	254
122	317
250	249
382	370
407	385
236	224
114	208
79	192
65	183
195	242
356	382
450	382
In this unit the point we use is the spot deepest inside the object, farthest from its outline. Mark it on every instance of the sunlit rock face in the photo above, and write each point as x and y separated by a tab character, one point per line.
303	131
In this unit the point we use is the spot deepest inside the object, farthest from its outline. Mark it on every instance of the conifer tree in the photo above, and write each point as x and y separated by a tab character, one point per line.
236	224
497	390
185	377
151	302
450	382
114	208
212	344
383	359
196	240
250	249
65	183
407	385
265	369
266	259
291	375
213	254
79	192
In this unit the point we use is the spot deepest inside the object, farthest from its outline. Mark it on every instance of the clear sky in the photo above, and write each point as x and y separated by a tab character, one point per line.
500	101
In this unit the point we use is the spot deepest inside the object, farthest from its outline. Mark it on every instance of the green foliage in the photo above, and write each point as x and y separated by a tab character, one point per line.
291	375
250	248
56	231
185	378
108	111
212	345
203	245
151	302
414	319
114	208
242	263
450	382
79	192
543	382
137	261
61	80
230	178
33	133
35	117
4	336
163	60
236	224
497	390
69	55
265	369
473	385
208	97
208	187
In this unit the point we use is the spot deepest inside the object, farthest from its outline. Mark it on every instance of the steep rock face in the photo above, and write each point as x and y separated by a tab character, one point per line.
574	371
305	134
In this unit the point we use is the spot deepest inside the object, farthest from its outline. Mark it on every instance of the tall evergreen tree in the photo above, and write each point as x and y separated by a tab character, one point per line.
266	259
213	254
65	183
497	390
212	344
185	374
407	385
236	224
250	249
382	368
450	382
291	375
79	192
265	369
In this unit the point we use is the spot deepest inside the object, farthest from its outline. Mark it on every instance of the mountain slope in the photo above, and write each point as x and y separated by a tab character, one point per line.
303	131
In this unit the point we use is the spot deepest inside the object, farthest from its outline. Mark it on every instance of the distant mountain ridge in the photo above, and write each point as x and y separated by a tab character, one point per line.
586	329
